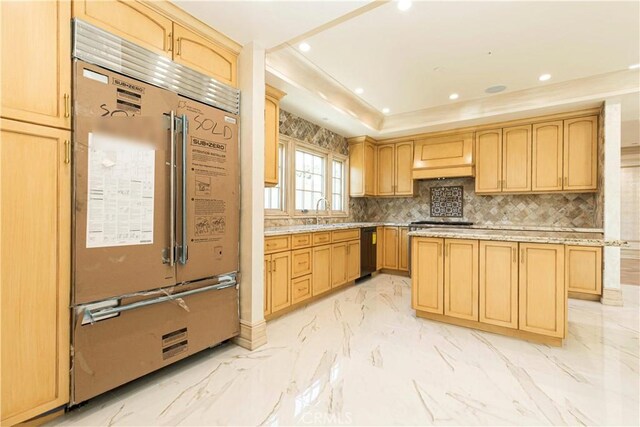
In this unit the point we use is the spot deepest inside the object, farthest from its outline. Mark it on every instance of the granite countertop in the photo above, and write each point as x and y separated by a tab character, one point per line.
309	228
534	236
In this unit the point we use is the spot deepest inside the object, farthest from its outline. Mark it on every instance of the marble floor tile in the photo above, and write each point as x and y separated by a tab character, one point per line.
361	357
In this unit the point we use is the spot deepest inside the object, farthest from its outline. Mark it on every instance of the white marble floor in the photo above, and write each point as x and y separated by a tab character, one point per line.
361	357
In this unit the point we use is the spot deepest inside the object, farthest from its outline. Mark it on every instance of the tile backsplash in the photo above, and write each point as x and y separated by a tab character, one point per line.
560	209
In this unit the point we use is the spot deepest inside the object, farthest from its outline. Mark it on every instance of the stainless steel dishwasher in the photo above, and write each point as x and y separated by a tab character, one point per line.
368	242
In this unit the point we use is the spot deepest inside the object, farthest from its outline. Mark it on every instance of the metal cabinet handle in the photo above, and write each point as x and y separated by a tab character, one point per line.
67	151
170	42
559	182
179	46
566	181
172	192
184	248
67	105
275	266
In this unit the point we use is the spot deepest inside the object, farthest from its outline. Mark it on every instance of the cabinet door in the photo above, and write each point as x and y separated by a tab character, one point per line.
370	169
516	159
386	170
300	289
130	20
403	249
581	154
301	262
584	269
267	285
379	247
322	267
338	264
547	157
403	169
390	248
204	56
280	281
357	172
353	260
427	290
461	278
541	289
36	62
271	112
499	283
35	217
489	161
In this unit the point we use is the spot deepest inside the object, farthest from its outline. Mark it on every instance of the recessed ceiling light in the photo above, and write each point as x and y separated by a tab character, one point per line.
495	89
634	66
404	5
359	91
325	118
385	110
454	96
544	77
304	47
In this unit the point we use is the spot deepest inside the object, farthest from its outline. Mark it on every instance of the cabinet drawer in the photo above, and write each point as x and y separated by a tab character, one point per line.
276	244
321	238
343	235
300	288
301	262
300	240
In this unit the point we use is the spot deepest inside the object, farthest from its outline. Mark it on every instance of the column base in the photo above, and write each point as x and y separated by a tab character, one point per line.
612	297
252	336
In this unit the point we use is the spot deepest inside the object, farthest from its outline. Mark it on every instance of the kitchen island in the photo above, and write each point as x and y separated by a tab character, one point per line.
511	282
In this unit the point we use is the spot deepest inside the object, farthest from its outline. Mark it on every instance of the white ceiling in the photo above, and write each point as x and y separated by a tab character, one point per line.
269	23
412	60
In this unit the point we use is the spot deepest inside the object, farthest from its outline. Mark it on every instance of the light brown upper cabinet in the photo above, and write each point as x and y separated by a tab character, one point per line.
362	167
444	156
394	169
130	20
489	161
516	159
201	54
581	154
36	62
499	283
541	288
35	173
271	134
547	157
461	278
427	290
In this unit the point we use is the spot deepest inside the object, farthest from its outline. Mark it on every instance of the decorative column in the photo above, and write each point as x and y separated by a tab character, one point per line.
251	76
611	292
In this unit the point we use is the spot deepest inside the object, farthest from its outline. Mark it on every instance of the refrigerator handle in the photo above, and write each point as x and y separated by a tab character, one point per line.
184	248
172	193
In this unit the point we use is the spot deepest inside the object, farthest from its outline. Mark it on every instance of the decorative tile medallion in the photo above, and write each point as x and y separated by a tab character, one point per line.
446	201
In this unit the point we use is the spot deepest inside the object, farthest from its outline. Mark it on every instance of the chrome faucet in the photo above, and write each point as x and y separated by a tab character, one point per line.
326	208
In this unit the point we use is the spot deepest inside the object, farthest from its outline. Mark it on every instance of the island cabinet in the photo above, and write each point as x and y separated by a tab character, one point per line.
584	271
515	289
299	267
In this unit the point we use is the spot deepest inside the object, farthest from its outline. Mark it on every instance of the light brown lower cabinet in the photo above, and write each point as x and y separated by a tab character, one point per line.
338	264
390	248
584	269
542	294
379	247
353	260
280	272
301	288
461	278
35	215
403	249
267	285
321	280
301	262
427	290
499	283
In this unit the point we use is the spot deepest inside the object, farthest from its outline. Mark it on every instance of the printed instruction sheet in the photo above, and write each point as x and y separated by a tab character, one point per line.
120	199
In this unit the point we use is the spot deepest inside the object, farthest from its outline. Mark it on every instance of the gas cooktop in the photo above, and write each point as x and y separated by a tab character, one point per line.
445	223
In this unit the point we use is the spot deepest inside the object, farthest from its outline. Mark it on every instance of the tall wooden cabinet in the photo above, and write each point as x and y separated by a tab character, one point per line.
36	62
35	173
271	134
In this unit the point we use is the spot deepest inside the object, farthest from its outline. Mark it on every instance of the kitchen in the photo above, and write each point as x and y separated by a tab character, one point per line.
436	238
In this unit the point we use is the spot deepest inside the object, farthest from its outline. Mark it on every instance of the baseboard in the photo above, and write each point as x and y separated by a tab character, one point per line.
584	296
612	297
395	272
252	336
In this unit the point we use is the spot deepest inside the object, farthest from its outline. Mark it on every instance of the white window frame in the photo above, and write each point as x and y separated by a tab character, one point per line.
289	210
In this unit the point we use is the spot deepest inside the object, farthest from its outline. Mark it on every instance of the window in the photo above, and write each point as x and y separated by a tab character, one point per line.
275	197
337	186
310	176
